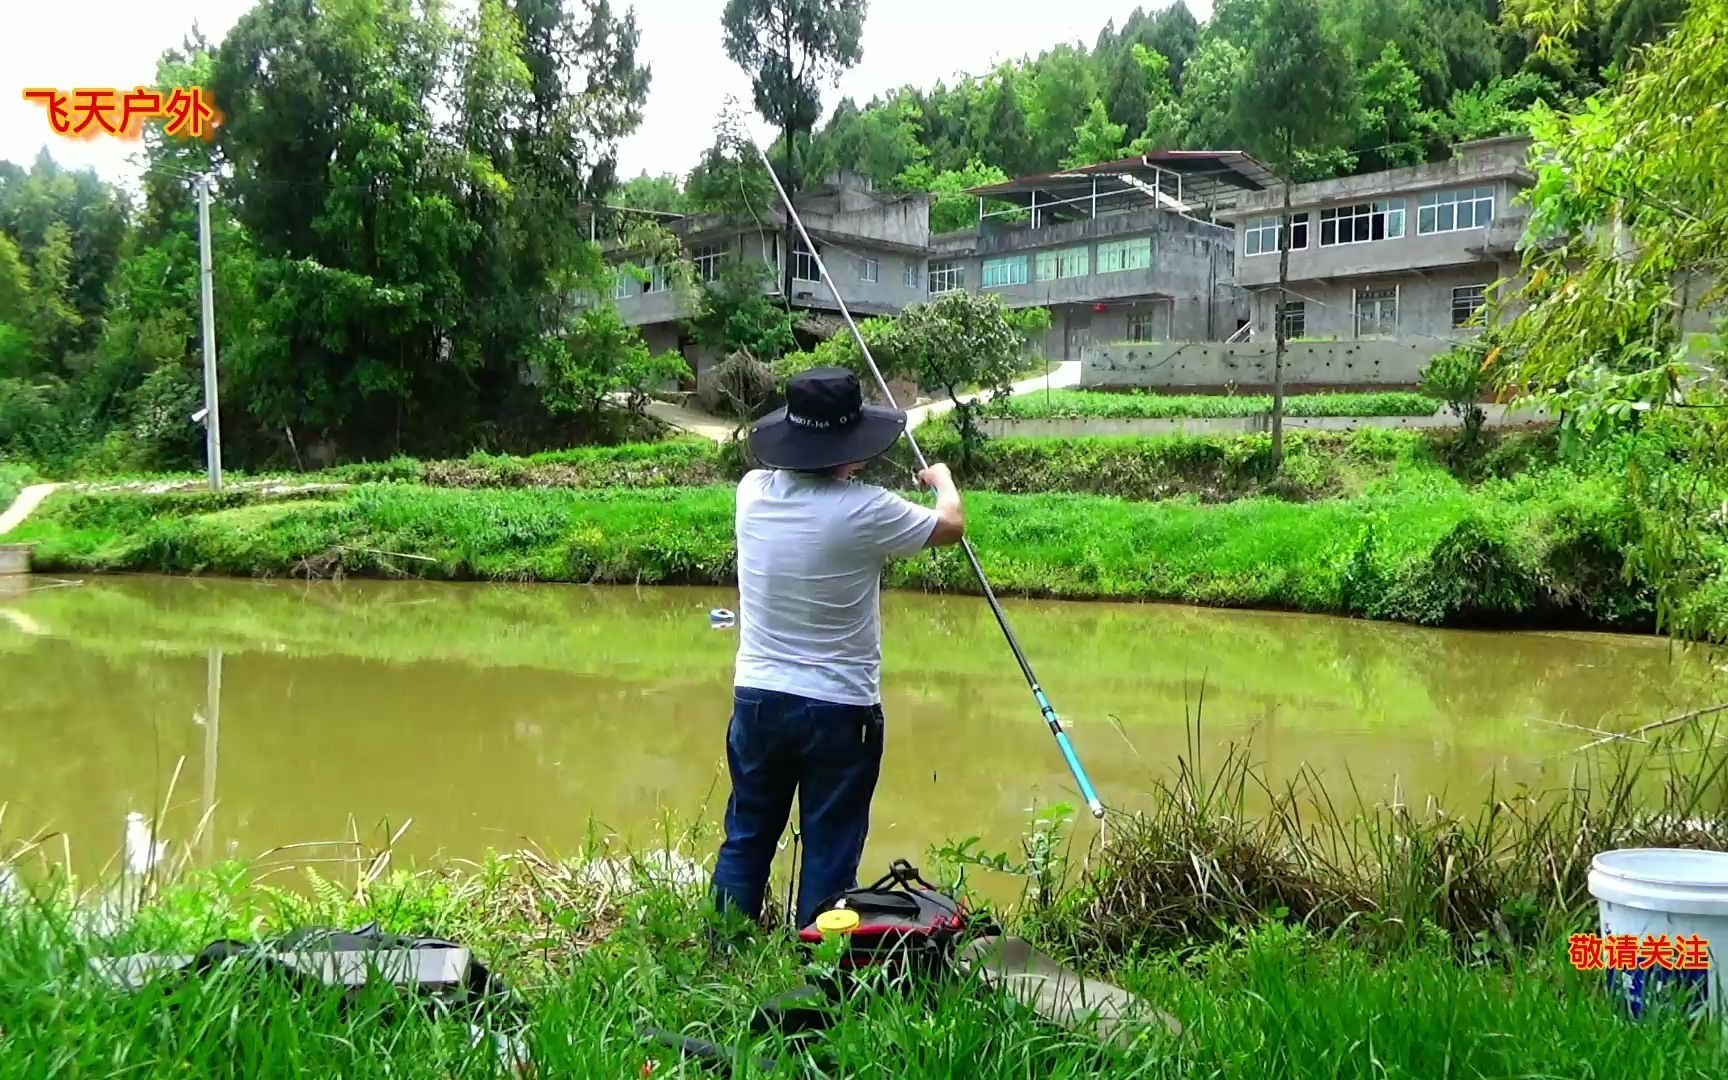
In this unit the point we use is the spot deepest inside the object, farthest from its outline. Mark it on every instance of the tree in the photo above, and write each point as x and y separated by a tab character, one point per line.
960	339
1097	139
1294	99
999	131
734	314
416	193
644	192
880	142
730	179
1063	88
53	318
1174	34
1628	238
788	48
1213	75
1500	108
599	355
1392	128
953	209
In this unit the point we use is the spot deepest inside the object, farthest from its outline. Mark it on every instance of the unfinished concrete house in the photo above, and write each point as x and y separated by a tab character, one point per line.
1120	251
873	243
1406	253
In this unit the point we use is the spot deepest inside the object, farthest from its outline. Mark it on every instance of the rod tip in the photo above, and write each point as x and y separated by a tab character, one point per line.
1097	809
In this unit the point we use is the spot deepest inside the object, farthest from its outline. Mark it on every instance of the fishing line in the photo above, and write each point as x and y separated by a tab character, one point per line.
1044	707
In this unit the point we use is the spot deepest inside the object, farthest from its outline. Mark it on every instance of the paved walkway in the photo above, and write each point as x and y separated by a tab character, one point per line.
717	428
721	429
25	505
1067	374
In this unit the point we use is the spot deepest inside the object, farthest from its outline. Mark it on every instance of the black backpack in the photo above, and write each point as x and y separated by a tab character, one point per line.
905	923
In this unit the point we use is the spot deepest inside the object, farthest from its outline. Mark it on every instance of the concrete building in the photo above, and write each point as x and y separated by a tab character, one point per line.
1120	251
1405	253
874	245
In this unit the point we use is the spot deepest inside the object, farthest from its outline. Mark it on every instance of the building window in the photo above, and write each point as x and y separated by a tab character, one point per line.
946	275
707	260
804	264
1383	220
1453	211
1069	262
1377	312
1295	316
1000	272
909	276
869	270
659	277
1121	255
625	284
1467	300
1260	237
1143	326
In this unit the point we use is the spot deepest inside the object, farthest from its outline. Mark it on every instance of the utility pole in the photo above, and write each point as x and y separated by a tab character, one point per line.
212	412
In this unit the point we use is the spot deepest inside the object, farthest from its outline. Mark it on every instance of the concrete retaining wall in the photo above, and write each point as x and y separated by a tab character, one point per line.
1214	366
1499	416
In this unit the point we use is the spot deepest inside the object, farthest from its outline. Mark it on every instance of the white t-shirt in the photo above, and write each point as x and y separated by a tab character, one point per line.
810	557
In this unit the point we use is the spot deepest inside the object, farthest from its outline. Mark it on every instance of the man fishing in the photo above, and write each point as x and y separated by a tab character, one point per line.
807	699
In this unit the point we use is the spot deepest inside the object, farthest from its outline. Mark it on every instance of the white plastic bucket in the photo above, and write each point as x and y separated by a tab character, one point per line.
1649	892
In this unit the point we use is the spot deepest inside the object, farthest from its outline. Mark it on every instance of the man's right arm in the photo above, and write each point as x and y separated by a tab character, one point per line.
950	513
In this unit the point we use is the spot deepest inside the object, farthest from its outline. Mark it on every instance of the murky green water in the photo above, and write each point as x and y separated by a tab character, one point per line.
494	715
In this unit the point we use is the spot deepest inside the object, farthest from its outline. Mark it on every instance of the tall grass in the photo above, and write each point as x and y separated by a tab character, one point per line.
1291	939
1062	404
1220	848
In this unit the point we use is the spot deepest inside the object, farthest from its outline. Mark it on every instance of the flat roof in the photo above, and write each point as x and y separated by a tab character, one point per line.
1206	174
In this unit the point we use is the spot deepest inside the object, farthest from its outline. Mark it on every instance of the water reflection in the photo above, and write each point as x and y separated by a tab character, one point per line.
491	715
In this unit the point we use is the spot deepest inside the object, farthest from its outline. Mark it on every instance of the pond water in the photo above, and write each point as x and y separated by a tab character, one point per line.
493	716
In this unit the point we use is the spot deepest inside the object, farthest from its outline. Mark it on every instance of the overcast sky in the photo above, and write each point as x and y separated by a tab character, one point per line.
116	43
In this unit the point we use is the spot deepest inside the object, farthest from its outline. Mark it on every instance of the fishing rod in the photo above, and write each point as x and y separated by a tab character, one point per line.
1049	711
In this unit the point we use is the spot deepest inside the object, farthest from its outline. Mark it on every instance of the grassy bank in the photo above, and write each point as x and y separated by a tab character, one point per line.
1063	404
1539	547
1303	941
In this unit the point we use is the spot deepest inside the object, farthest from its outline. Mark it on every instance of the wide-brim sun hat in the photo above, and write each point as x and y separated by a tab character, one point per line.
825	423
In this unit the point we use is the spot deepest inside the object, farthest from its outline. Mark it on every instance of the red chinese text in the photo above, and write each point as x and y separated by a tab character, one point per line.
1628	952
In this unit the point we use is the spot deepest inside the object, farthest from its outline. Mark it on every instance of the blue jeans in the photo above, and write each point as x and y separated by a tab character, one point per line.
830	755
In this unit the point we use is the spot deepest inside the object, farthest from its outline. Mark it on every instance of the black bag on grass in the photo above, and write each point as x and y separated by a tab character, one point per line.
899	921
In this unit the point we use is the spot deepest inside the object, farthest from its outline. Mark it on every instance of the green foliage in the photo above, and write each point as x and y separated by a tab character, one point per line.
1097	139
594	961
1295	99
953	209
1630	211
644	192
1393	128
398	313
1498	108
13	478
881	143
737	313
599	356
1461	378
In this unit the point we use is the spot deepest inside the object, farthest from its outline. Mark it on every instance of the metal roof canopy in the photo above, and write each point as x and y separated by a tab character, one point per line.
1175	179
